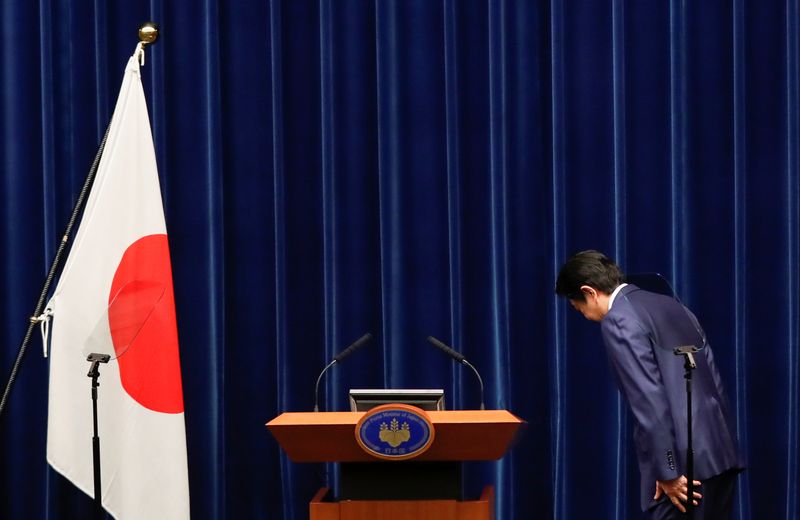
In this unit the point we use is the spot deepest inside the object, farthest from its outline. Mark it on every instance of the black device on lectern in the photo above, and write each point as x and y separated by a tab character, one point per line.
362	400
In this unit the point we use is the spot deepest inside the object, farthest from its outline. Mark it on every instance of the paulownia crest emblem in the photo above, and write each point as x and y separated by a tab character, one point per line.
394	434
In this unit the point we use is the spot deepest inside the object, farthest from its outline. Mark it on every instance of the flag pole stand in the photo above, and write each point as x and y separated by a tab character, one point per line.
148	33
94	373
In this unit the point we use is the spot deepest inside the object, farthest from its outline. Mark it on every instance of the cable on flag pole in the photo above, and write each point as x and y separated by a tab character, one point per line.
138	53
44	325
148	33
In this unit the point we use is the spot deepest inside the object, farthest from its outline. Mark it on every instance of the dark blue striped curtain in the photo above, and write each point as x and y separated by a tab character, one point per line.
414	168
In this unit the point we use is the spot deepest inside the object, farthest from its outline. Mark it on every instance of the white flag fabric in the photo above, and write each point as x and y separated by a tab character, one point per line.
115	296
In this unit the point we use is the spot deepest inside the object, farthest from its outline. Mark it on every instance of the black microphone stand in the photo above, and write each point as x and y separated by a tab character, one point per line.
319	378
480	380
94	373
689	365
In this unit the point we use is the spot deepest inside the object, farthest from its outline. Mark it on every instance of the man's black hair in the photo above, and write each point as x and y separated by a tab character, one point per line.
591	268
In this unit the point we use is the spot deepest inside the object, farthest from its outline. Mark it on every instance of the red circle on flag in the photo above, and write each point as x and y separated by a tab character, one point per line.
141	317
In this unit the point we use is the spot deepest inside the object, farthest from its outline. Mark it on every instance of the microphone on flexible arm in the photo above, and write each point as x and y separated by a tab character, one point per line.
459	358
338	358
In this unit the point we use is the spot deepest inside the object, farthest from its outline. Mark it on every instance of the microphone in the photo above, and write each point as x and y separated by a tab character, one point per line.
447	350
357	344
459	358
338	358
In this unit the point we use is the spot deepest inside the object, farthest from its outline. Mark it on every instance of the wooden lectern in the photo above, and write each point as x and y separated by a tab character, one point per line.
461	435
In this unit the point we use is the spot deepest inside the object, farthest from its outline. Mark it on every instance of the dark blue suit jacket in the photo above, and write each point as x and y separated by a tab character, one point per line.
640	332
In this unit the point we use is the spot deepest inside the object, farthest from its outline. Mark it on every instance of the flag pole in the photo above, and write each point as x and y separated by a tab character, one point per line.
148	33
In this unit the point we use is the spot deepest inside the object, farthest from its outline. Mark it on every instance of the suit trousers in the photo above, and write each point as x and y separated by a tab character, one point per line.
716	504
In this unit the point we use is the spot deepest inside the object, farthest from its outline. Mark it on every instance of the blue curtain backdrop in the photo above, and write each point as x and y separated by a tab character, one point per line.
414	168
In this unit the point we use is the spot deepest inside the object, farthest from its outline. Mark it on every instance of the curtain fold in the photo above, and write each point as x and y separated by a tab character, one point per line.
454	212
740	239
620	233
415	168
792	235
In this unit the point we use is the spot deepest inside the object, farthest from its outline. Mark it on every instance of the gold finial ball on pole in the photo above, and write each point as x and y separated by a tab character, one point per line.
148	33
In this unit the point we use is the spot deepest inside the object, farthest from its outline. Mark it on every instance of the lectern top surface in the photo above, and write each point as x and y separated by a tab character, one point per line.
460	435
443	417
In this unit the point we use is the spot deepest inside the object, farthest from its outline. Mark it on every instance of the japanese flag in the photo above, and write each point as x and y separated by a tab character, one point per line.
115	296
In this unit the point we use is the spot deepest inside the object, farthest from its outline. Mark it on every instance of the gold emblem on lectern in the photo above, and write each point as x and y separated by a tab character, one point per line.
394	434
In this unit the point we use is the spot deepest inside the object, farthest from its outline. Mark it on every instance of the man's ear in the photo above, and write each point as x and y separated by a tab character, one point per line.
588	292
